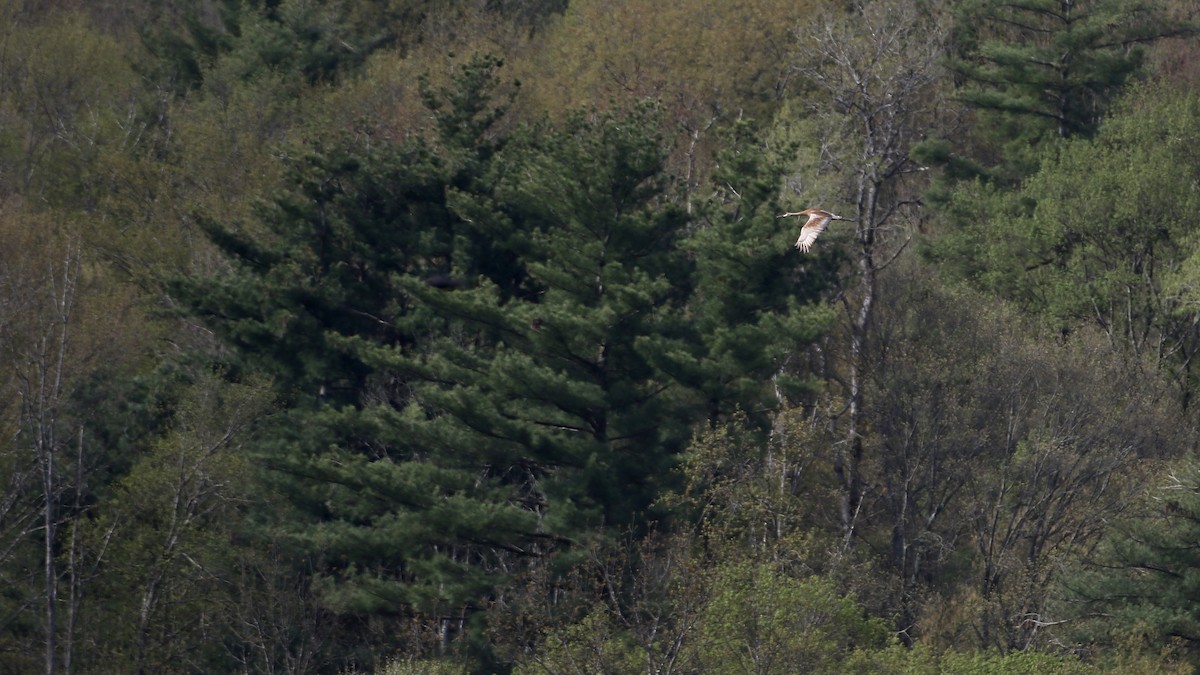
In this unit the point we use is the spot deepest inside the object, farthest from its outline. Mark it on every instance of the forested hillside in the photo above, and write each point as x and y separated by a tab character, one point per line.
464	336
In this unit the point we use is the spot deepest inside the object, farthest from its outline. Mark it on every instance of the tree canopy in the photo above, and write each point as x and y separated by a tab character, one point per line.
467	336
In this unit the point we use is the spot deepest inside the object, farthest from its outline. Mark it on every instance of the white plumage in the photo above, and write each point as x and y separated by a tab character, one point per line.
817	221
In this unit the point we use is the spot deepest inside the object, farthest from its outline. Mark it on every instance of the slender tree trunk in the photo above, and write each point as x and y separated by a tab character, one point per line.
847	463
73	572
50	369
49	521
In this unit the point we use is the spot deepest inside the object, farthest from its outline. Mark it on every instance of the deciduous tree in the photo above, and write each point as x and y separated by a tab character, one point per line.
874	94
1100	234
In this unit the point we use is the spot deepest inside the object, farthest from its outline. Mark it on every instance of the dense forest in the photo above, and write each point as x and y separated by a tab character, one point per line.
464	336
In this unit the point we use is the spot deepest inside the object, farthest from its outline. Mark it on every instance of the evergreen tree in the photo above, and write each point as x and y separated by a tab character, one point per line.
1146	577
754	301
1047	68
491	350
546	379
393	524
313	42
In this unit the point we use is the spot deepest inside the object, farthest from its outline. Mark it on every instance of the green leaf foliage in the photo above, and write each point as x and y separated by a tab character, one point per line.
761	620
1049	68
1146	575
1100	234
160	546
324	348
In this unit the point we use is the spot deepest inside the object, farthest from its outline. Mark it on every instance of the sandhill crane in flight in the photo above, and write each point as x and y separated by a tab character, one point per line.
817	220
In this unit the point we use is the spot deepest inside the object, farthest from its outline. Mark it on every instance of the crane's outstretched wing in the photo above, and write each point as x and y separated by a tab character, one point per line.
811	230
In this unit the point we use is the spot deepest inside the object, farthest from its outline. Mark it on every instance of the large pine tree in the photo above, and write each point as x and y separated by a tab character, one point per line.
1145	579
393	524
754	300
544	378
1048	68
491	347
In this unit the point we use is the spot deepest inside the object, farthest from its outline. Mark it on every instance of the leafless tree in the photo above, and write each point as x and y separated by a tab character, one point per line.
41	387
873	72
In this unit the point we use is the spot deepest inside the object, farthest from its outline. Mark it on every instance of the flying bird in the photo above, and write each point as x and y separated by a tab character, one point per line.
817	220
